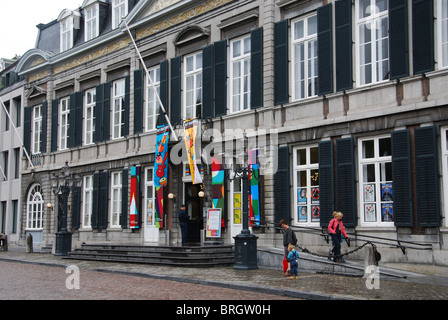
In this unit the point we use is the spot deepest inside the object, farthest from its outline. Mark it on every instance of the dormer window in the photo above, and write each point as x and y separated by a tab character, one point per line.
91	22
69	22
119	10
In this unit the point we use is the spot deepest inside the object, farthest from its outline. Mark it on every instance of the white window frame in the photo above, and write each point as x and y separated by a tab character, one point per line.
37	130
35	208
152	103
373	197
118	94
305	198
89	116
92	24
442	31
119	10
240	73
444	142
66	27
115	199
192	85
87	203
305	69
64	122
150	198
372	21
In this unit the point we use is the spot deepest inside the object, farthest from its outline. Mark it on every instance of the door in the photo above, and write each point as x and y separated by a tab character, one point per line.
151	232
193	204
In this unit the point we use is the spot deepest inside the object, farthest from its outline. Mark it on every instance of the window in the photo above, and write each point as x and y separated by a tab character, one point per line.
444	139
91	22
442	25
306	184
304	46
89	114
5	165
375	181
16	163
35	208
64	115
118	109
115	214
152	103
37	129
119	10
193	85
6	112
372	23
87	202
240	74
66	34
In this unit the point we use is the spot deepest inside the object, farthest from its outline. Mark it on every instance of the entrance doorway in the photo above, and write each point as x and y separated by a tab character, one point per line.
194	204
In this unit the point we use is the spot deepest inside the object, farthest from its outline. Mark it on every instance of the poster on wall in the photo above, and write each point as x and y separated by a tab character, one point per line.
387	192
387	212
190	130
135	196
213	223
161	171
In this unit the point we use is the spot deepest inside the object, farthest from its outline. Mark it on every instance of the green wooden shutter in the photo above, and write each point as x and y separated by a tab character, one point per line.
95	200
346	181
54	124
281	63
220	75
401	175
344	43
423	35
106	112
103	212
427	177
176	91
127	104
326	182
282	198
75	120
207	82
256	68
164	76
124	198
138	101
76	216
398	39
28	111
325	49
43	133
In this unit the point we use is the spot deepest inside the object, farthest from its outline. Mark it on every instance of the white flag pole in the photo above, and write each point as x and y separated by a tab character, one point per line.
17	132
152	83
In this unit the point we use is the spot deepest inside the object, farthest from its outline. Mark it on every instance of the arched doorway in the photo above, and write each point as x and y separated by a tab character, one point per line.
35	214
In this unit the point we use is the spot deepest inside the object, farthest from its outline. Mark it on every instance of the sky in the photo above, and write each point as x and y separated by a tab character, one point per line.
19	18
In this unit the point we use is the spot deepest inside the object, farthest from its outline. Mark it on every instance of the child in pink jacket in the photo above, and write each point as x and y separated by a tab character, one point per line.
335	228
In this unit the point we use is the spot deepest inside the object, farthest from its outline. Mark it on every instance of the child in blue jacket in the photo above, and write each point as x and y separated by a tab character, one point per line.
293	255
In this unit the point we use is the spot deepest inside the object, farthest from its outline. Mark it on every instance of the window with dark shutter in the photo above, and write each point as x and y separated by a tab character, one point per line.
103	207
346	181
43	133
27	129
75	127
220	75
398	39
138	101
423	35
326	182
54	124
175	112
325	49
256	68
427	177
282	187
76	208
164	76
126	104
344	43
281	63
207	82
95	200
401	175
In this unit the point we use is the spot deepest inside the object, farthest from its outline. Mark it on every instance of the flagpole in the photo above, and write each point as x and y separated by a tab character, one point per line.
149	77
17	132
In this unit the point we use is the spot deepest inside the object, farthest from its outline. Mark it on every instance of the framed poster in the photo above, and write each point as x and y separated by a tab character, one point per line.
301	195
387	212
387	192
369	192
370	212
213	223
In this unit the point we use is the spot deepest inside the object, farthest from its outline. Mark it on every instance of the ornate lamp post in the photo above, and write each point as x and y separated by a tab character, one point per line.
61	186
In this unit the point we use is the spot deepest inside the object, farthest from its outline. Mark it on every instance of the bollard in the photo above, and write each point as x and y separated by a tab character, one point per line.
29	243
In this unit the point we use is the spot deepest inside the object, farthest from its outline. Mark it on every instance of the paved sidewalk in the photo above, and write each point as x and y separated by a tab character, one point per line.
307	286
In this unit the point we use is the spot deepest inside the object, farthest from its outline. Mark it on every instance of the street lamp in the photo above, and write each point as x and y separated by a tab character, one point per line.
61	187
245	242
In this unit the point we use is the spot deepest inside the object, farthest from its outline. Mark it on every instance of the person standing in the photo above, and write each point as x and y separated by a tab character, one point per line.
289	237
183	221
336	228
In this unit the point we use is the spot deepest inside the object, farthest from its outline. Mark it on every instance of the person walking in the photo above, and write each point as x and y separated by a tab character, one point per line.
336	228
183	221
289	237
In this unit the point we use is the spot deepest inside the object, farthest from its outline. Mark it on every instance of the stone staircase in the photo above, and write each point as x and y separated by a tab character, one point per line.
186	256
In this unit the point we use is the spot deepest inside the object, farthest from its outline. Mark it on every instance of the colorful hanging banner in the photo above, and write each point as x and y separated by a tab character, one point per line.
135	196
254	202
218	185
161	171
191	129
